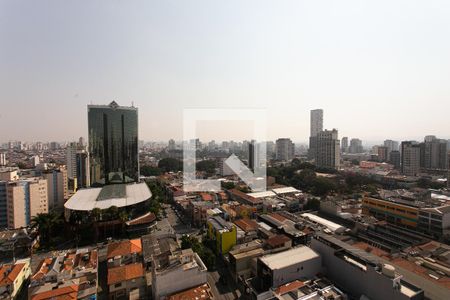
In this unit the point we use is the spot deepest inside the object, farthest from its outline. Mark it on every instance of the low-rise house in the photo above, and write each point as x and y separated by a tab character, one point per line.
247	230
242	259
202	292
178	271
223	233
127	281
298	263
13	277
126	271
70	275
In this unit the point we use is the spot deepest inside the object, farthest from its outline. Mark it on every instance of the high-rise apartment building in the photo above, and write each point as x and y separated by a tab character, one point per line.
383	154
344	144
3	205
410	158
433	153
284	149
356	146
57	187
26	199
316	122
316	126
395	159
113	144
328	149
171	145
71	160
2	159
391	145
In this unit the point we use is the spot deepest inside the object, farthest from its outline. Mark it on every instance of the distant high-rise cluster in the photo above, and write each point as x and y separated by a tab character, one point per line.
324	145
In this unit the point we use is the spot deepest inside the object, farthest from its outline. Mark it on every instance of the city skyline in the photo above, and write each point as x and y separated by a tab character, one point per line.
380	79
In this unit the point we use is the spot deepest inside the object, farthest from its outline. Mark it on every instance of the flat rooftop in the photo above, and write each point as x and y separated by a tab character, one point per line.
290	257
120	195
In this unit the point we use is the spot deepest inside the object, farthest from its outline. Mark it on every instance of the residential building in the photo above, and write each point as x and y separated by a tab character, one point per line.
395	159
13	277
316	126
57	187
433	153
327	149
71	160
68	275
356	146
361	274
284	149
126	272
113	144
3	204
277	269
3	160
26	199
202	292
383	154
183	267
242	259
435	220
127	281
391	145
223	233
410	158
172	145
344	144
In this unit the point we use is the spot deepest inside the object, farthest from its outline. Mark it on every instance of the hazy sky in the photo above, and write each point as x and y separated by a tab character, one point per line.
380	69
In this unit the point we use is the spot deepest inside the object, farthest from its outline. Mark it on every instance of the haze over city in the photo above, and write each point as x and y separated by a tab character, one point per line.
379	69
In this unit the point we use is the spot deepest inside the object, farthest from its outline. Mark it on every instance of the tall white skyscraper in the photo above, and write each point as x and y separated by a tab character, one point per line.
316	121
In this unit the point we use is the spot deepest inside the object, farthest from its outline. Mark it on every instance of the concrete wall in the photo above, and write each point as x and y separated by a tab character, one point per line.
303	270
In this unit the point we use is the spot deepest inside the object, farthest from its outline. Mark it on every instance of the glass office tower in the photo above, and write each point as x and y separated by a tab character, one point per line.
113	144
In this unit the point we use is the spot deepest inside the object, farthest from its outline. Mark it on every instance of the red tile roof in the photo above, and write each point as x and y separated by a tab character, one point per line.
245	197
289	287
200	292
247	224
8	273
277	240
65	293
125	273
124	247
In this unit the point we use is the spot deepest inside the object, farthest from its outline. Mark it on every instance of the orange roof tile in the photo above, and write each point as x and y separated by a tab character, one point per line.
9	277
65	293
246	224
124	273
124	247
200	292
288	287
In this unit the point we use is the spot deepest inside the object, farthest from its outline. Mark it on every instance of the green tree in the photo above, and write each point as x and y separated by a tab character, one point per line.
150	171
170	164
46	225
208	166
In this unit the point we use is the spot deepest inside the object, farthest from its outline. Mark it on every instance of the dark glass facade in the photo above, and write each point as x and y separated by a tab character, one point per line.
113	144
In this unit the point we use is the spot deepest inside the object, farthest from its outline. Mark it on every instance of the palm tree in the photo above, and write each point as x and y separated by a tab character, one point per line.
45	223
